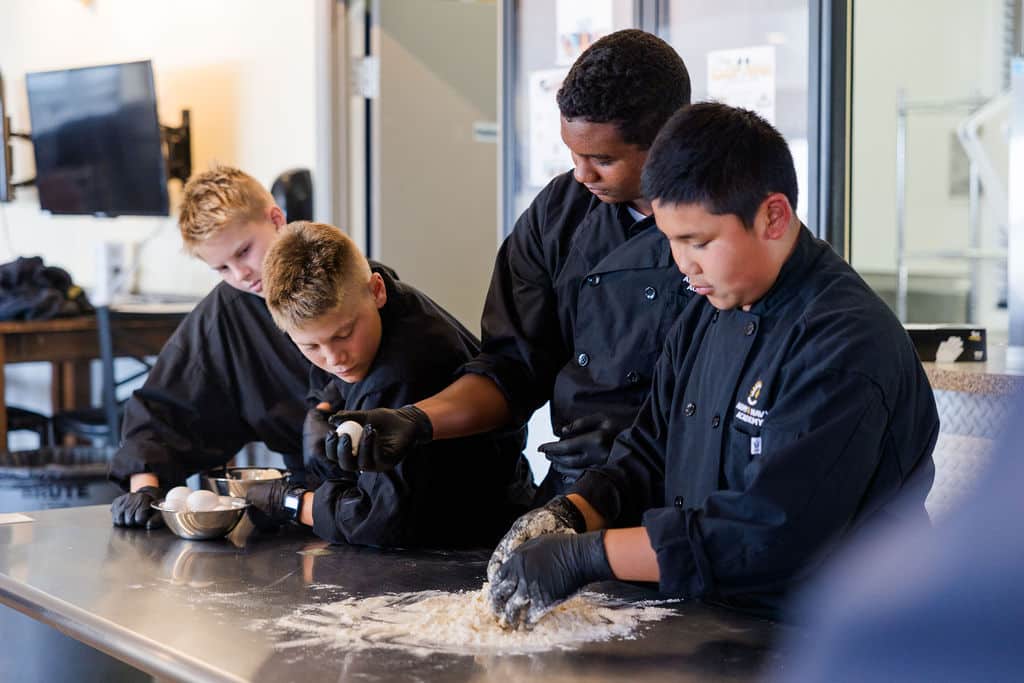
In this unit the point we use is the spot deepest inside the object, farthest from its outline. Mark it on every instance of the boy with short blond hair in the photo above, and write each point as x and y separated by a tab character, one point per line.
220	197
377	342
228	376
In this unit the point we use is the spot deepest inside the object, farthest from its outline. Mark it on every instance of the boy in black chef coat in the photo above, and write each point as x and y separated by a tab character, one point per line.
227	376
583	290
788	409
377	342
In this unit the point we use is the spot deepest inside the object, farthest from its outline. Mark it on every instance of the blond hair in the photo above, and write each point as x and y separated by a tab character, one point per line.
311	269
216	199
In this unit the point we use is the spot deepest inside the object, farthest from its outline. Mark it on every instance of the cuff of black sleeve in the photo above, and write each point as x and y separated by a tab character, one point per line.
666	529
138	459
598	490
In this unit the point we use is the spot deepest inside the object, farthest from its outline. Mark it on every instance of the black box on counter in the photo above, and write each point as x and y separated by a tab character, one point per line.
948	343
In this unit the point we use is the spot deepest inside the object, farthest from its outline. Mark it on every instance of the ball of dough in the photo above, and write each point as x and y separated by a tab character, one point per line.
202	501
354	431
178	493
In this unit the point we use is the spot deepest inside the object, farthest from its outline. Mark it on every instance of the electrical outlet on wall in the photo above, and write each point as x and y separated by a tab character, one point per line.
110	272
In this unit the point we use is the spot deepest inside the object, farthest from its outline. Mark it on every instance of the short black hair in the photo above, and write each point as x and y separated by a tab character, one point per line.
630	78
721	157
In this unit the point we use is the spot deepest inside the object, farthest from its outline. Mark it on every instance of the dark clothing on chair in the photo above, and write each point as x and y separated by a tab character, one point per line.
228	376
30	290
455	492
772	433
580	301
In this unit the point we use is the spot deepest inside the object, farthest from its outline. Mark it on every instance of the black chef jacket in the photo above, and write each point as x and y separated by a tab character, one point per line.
580	301
227	376
455	492
771	433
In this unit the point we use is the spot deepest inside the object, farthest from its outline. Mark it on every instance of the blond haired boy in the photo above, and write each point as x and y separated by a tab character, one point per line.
228	376
378	342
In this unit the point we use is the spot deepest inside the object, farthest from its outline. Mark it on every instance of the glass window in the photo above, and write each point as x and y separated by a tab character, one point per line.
929	156
753	54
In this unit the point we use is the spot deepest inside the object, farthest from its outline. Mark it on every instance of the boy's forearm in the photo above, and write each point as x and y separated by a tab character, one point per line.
630	554
140	479
470	405
593	518
306	509
629	551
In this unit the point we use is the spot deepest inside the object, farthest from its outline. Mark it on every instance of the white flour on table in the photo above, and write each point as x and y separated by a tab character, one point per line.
458	623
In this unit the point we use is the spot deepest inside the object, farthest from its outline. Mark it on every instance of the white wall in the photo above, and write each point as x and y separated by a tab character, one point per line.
245	68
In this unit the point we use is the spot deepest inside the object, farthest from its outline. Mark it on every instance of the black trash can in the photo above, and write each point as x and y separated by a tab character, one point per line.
55	477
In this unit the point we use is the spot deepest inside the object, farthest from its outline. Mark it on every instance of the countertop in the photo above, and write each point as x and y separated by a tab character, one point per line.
989	377
195	610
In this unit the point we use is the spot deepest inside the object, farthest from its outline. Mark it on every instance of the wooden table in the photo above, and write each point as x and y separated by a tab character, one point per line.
70	343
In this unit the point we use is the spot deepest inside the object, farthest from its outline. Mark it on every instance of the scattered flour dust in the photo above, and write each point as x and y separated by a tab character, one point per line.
459	623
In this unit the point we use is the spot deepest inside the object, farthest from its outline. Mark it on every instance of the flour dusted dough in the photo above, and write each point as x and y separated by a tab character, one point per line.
459	623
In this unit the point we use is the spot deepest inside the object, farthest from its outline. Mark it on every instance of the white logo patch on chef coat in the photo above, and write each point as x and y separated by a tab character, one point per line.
755	393
755	445
746	412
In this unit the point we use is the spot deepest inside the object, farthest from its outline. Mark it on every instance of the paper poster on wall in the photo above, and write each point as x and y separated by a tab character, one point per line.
547	154
579	23
744	77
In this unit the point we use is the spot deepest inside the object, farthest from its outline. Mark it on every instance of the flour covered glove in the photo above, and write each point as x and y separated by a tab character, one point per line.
583	443
389	434
544	572
134	509
559	515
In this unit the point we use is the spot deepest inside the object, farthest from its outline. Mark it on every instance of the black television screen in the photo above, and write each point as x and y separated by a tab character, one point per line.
97	140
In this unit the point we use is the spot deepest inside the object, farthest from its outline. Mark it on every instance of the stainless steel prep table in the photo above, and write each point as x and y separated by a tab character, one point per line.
191	610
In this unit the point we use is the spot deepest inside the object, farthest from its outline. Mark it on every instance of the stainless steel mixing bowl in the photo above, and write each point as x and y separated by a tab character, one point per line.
198	526
237	480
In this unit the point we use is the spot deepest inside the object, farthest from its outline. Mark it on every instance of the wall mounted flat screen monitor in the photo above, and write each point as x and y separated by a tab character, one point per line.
97	141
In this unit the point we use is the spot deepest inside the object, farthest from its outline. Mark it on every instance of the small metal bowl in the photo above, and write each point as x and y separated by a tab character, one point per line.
198	526
239	479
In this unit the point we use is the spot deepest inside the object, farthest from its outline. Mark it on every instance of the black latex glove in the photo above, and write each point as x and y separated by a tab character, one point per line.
544	572
388	436
558	516
134	509
315	434
267	509
584	443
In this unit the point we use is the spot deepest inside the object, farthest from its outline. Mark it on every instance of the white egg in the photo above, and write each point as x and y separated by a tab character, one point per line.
176	504
202	501
354	431
178	493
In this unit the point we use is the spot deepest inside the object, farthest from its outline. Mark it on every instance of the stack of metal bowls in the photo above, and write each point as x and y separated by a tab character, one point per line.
236	481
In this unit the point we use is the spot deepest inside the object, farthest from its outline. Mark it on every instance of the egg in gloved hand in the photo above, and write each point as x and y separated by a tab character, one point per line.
354	431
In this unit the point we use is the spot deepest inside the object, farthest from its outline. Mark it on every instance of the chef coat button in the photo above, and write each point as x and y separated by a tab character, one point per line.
650	292
583	359
690	409
715	421
749	328
632	376
714	317
593	280
679	502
